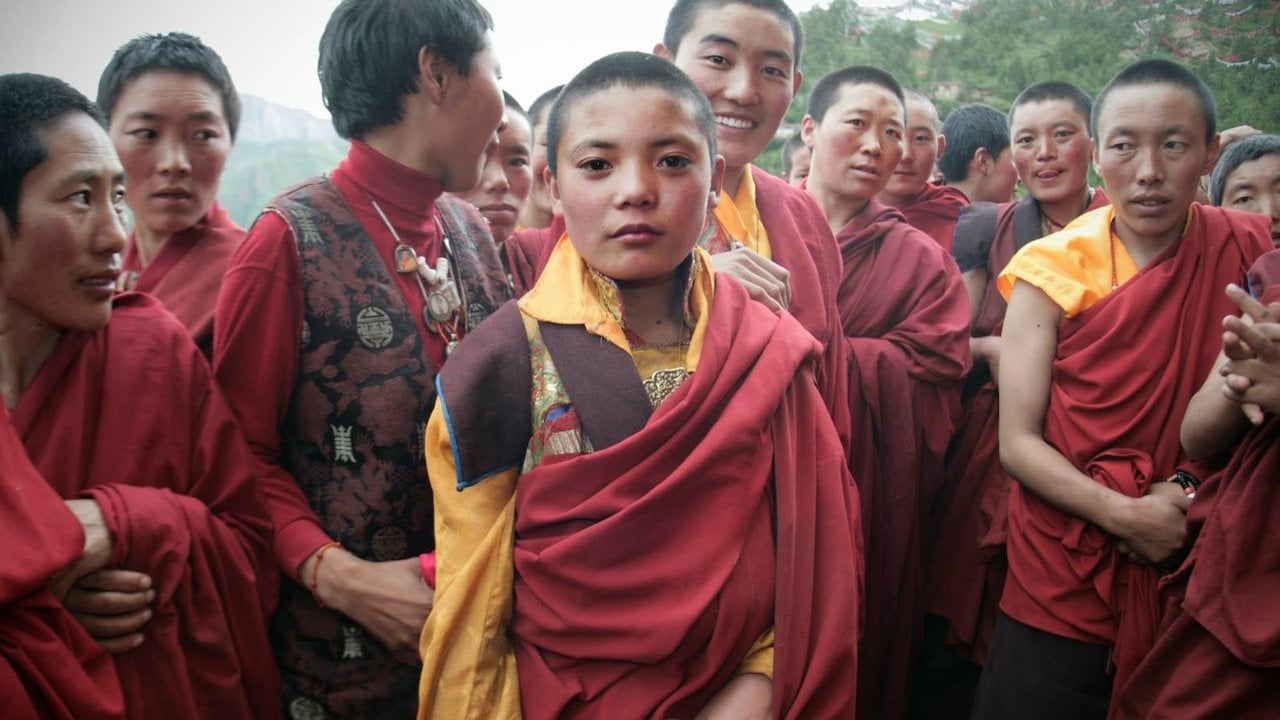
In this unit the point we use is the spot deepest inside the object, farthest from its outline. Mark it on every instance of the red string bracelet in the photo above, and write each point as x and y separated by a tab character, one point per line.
315	569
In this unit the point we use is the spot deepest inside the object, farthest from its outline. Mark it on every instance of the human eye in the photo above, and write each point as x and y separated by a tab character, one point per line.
674	162
206	135
1023	140
1121	146
1242	199
1063	134
1176	146
143	134
593	165
715	59
777	72
894	133
856	123
518	162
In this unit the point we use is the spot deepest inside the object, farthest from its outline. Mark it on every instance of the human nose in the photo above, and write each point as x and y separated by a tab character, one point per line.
635	186
1150	168
174	158
742	87
1045	148
871	144
110	237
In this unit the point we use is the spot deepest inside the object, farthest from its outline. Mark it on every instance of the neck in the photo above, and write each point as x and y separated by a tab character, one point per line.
400	144
1064	211
532	217
839	209
968	186
1145	248
148	243
893	200
25	343
654	308
733	180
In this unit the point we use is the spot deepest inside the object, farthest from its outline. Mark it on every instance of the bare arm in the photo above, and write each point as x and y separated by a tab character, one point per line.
1153	526
766	281
975	283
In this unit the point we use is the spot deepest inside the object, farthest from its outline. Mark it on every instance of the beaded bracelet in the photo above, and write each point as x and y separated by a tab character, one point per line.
315	569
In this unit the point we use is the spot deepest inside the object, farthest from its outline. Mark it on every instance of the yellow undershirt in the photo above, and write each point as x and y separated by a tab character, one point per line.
740	217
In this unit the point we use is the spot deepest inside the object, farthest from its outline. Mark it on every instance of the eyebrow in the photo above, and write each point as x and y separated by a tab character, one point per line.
661	142
154	116
716	39
87	176
867	111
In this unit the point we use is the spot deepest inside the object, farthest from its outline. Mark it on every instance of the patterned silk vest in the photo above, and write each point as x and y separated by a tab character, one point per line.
353	437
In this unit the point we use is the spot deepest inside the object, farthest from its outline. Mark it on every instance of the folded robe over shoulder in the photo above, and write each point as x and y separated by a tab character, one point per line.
130	417
1125	370
935	210
638	573
49	666
187	272
906	336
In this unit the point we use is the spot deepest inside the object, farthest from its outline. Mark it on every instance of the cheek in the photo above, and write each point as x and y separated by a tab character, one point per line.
209	164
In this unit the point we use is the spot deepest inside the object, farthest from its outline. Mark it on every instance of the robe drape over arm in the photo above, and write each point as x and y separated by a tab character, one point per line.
906	336
935	210
130	417
49	666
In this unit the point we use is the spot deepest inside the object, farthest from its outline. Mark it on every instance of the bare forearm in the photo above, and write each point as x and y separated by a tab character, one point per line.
1045	472
1212	423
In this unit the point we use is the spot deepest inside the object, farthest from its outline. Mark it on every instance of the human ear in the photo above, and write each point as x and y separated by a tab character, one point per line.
717	182
553	189
808	127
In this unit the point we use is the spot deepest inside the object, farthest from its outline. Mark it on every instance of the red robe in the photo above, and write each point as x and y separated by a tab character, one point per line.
1124	372
935	210
966	567
187	272
526	252
1218	654
130	417
747	435
906	334
49	666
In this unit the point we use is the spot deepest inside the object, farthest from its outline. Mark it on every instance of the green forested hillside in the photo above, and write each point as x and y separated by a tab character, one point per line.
997	47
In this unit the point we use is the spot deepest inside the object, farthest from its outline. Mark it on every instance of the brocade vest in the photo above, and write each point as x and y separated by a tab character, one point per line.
353	436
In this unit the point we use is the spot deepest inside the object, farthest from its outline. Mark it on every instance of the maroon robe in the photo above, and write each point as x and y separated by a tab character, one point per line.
906	334
1123	374
935	210
49	666
966	567
736	489
187	272
1218	654
130	417
526	252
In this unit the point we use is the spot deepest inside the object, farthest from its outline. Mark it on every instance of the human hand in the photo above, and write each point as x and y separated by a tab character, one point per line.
113	606
1153	528
97	546
766	281
746	697
390	600
1251	344
1230	135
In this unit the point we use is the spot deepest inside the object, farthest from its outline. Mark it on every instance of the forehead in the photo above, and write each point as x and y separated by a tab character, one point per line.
1156	107
610	114
75	147
1259	169
745	25
870	97
517	130
1045	112
920	113
158	91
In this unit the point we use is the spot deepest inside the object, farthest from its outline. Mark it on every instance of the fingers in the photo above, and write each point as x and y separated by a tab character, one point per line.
1253	413
1259	339
119	645
105	602
114	626
1251	308
765	281
116	580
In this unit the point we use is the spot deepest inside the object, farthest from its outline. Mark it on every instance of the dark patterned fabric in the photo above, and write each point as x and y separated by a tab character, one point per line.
353	438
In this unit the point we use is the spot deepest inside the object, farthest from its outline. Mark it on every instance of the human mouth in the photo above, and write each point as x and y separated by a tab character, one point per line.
1149	204
635	233
736	123
871	170
102	284
1046	175
172	194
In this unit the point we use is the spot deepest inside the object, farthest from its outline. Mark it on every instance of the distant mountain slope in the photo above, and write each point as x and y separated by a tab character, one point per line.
276	147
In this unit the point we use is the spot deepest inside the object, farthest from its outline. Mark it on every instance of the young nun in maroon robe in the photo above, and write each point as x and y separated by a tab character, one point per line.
906	331
933	208
357	286
49	666
173	114
653	547
1049	126
124	420
1111	327
1218	654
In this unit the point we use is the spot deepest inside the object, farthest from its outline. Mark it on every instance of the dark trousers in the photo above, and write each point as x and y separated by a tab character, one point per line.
1030	673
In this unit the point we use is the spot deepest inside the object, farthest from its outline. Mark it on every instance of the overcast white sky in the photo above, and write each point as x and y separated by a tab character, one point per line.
270	45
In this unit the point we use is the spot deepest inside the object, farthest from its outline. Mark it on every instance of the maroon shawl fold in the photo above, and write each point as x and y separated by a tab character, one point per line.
1124	372
130	416
49	666
658	554
526	252
934	210
906	333
187	272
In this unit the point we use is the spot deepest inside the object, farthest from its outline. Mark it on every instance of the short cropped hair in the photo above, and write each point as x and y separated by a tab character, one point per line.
1237	154
177	52
794	142
917	95
513	106
633	70
824	94
968	128
30	103
1161	72
1050	90
684	14
369	55
542	105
